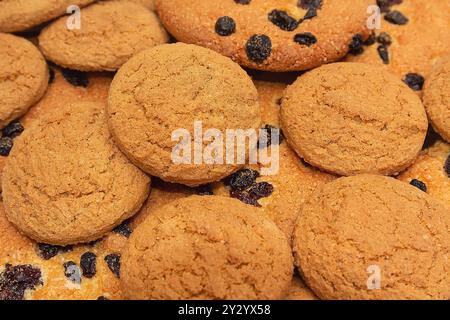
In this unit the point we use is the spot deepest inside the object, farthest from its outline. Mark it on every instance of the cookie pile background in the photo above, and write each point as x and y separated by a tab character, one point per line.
93	206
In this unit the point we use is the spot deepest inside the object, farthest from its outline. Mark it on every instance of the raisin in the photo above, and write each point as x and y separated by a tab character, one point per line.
384	38
15	280
113	262
371	39
396	17
282	20
124	229
13	129
244	197
430	139
102	298
356	45
242	179
6	144
242	1
419	185
204	190
384	53
259	48
385	5
415	81
306	38
309	4
72	272
311	13
225	26
261	190
88	263
265	140
447	166
48	251
76	78
51	75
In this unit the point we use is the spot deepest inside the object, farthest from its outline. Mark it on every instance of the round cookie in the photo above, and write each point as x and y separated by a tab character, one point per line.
373	237
170	89
20	15
409	50
206	248
23	77
111	32
436	97
65	181
431	172
275	35
352	118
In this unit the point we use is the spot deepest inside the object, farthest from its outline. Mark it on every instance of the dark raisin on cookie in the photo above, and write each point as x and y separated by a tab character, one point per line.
383	53
242	1
306	38
371	39
283	20
384	38
419	184
396	17
225	26
48	251
51	75
267	134
76	78
261	190
72	272
124	229
258	48
15	280
244	197
6	144
447	166
415	81
13	130
385	5
242	179
310	4
356	45
113	262
204	190
88	263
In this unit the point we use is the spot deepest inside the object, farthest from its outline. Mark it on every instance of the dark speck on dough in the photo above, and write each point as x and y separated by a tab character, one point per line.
6	144
356	45
419	185
113	262
225	26
283	20
447	166
14	280
124	229
48	251
88	263
415	81
396	17
259	48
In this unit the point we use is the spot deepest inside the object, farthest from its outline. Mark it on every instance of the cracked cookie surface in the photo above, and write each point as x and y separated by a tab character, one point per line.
170	88
23	77
351	118
110	33
65	181
356	225
206	248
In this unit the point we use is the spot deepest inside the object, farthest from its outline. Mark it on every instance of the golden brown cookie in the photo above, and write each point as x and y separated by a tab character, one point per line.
275	35
20	15
110	33
206	248
299	290
23	77
65	181
409	50
150	4
351	118
436	97
373	237
431	172
172	88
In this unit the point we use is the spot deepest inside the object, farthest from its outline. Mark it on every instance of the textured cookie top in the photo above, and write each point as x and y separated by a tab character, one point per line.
272	35
66	182
360	228
110	33
20	15
436	97
150	4
23	77
350	118
206	248
171	87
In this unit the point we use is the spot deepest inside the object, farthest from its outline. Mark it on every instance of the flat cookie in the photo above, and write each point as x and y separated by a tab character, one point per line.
20	15
275	35
206	248
23	77
65	182
171	88
436	97
352	118
413	35
431	172
373	237
111	32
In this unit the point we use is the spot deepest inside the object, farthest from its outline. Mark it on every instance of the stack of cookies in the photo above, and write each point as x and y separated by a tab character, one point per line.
233	149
